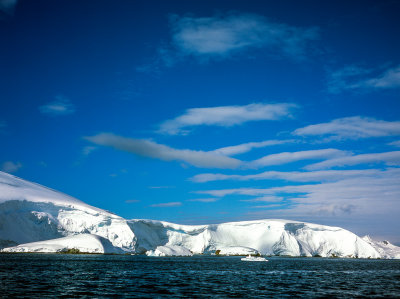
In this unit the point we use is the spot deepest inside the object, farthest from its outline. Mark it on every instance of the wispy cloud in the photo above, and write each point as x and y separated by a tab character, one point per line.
226	116
389	158
10	166
356	127
208	199
87	150
61	106
8	6
167	204
246	147
395	143
366	195
266	198
147	148
293	176
356	78
288	157
227	34
132	201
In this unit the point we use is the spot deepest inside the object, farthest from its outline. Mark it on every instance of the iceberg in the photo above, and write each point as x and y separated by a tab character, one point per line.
44	220
236	250
171	250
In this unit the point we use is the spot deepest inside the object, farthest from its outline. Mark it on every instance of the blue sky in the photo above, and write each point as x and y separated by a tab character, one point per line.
208	111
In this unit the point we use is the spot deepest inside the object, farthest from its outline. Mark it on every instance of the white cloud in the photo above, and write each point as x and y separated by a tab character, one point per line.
246	147
209	199
389	158
147	148
356	78
267	198
226	116
366	195
389	79
395	143
293	176
61	106
10	166
223	35
356	127
268	206
339	80
167	204
288	157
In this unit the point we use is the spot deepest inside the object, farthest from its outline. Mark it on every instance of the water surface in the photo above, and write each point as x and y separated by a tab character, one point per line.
49	275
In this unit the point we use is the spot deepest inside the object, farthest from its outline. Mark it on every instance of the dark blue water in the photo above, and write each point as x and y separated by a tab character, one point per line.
40	275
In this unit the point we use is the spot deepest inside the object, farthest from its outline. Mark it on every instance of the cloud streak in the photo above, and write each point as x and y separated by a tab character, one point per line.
147	148
10	166
221	36
389	158
61	106
292	176
356	78
356	127
225	116
246	147
288	157
371	195
167	204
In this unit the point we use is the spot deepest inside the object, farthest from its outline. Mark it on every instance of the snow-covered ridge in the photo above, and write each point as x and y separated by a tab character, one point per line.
384	248
32	213
84	243
268	237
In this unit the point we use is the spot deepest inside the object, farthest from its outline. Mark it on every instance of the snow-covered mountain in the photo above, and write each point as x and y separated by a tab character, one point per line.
384	248
268	237
87	243
56	222
30	212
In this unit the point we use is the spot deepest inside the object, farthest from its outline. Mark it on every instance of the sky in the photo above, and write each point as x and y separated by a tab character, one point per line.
200	112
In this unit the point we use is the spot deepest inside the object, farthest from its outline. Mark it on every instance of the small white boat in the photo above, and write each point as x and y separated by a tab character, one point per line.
250	258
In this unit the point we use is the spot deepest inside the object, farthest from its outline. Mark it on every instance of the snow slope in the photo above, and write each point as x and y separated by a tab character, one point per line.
83	242
31	213
237	250
269	237
169	251
385	248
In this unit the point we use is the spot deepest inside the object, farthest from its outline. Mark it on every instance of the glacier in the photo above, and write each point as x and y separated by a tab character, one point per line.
34	218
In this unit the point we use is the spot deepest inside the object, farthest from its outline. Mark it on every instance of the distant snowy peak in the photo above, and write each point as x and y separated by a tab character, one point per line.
385	248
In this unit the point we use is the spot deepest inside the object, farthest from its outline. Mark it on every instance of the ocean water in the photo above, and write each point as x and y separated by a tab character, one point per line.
63	275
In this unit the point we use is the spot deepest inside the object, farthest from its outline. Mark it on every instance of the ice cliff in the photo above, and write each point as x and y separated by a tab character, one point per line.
33	213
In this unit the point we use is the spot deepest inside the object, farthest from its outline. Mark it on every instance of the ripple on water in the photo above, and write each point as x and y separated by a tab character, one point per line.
33	275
